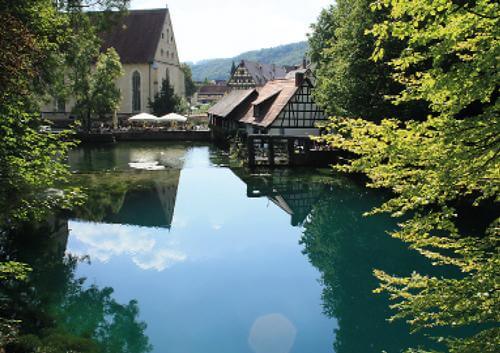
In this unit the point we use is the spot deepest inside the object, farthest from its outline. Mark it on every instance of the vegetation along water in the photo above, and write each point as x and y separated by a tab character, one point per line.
161	247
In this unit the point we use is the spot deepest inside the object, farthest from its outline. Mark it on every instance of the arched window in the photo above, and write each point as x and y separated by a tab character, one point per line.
167	75
136	91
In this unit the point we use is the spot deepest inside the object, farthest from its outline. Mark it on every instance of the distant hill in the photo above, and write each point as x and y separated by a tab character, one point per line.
218	69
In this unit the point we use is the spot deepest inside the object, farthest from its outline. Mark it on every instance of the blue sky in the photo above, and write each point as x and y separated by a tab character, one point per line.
222	28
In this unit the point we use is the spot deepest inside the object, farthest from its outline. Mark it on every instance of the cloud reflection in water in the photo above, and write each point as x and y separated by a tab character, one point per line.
147	247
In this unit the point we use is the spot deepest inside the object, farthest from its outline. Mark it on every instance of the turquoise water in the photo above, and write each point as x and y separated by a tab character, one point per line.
176	252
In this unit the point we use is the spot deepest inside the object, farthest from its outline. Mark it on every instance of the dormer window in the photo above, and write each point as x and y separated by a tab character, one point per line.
256	111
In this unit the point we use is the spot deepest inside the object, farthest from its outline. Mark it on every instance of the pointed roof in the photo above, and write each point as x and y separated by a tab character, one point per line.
135	36
281	92
261	73
230	102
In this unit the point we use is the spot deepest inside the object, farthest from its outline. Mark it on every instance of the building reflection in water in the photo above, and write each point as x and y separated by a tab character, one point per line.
286	189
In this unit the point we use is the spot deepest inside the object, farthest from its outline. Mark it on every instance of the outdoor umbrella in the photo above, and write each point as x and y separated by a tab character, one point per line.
173	117
143	117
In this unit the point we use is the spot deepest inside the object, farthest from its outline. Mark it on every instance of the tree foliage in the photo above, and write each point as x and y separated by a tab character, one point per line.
440	169
188	80
349	83
31	162
105	95
165	101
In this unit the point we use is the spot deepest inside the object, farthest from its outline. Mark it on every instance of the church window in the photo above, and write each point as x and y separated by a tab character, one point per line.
136	91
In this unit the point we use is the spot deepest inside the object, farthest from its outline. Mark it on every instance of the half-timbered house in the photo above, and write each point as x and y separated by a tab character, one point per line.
250	74
226	114
284	107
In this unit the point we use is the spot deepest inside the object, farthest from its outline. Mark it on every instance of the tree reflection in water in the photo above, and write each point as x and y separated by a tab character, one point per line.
58	312
346	247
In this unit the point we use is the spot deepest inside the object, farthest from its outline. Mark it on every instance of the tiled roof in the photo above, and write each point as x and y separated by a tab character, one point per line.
281	92
213	89
136	35
261	73
230	102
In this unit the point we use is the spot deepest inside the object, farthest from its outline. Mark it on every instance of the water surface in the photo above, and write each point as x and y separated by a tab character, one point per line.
184	254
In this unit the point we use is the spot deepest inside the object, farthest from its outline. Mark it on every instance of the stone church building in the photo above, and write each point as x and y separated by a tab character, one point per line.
145	41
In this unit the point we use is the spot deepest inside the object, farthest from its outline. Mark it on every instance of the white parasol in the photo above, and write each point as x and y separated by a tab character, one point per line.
143	117
173	117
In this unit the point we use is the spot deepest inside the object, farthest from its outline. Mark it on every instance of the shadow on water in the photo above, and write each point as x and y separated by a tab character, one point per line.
57	311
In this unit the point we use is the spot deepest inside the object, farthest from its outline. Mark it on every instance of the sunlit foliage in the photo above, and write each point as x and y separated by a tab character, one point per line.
442	168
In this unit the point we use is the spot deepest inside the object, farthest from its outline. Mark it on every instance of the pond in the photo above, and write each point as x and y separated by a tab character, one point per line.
177	252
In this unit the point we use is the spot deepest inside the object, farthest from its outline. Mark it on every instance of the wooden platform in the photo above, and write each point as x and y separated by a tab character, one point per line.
274	151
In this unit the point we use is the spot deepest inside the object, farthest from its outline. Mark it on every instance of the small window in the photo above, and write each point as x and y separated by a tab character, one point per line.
162	52
162	35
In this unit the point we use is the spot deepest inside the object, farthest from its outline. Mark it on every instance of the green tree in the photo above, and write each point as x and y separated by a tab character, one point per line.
233	69
165	101
105	95
188	80
31	162
349	83
441	169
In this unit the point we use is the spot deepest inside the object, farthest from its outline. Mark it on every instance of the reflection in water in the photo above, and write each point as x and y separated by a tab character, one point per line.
240	282
148	248
293	192
346	247
58	312
114	197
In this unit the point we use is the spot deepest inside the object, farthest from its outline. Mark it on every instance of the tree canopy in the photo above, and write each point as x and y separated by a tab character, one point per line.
442	167
165	101
349	83
188	80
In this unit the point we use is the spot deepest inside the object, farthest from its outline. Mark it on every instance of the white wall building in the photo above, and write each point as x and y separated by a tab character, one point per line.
145	41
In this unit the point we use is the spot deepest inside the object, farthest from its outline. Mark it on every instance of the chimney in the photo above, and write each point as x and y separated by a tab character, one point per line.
299	78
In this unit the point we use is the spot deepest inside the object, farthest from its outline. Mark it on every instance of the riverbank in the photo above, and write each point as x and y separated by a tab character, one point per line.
145	135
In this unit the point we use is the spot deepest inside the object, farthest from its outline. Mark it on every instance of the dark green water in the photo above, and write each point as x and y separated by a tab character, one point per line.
175	252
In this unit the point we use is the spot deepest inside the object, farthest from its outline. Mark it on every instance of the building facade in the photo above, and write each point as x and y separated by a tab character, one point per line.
282	107
145	42
251	74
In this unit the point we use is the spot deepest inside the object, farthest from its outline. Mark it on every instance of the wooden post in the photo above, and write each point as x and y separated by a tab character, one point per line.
251	151
290	151
270	151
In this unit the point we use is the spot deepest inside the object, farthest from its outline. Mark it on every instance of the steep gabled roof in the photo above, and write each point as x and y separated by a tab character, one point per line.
213	89
282	91
230	102
261	73
136	35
